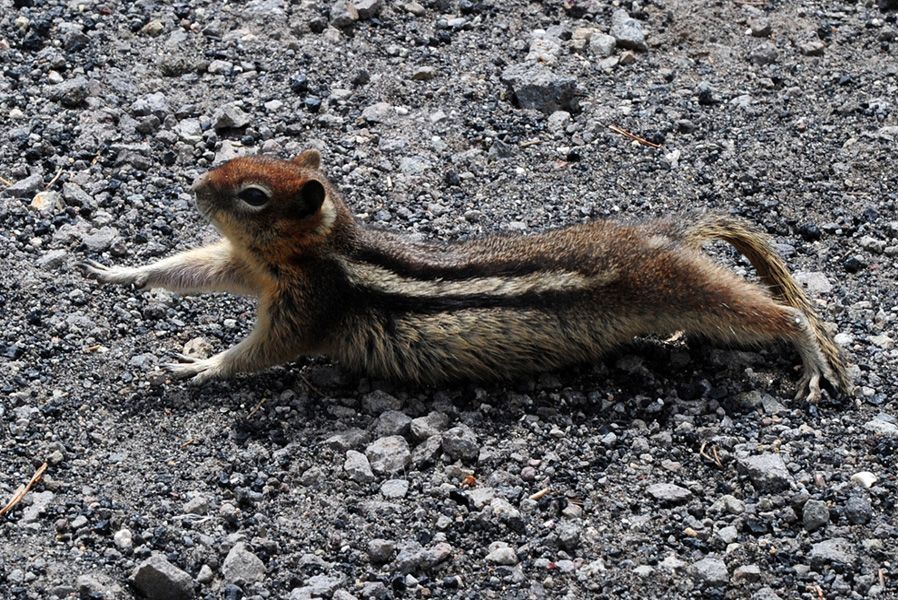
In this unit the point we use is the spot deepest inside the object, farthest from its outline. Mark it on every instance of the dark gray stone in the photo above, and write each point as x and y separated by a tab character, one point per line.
460	443
346	440
764	54
100	240
380	551
75	196
432	424
324	585
427	452
367	9
158	579
710	571
815	515
858	509
669	493
391	422
151	104
379	401
412	557
627	31
568	535
767	471
96	585
71	93
536	87
343	14
750	573
25	188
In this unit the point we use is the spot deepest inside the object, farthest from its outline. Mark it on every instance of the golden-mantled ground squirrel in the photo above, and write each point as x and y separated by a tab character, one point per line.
495	307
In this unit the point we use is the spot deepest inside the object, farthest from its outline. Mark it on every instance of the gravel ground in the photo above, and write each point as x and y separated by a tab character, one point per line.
668	470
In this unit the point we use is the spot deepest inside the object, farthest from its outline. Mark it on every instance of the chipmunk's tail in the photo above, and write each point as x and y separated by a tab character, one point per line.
757	247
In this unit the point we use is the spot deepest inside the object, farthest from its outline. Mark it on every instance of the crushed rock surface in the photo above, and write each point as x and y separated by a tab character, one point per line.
669	469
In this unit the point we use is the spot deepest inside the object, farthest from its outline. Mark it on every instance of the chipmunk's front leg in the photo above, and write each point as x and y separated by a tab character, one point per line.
212	268
266	346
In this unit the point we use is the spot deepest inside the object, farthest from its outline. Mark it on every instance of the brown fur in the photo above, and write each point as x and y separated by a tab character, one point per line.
496	307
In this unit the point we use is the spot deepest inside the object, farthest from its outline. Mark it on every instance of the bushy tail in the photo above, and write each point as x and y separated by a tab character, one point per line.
757	247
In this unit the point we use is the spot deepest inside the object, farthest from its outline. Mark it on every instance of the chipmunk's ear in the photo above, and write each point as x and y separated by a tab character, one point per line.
308	200
309	159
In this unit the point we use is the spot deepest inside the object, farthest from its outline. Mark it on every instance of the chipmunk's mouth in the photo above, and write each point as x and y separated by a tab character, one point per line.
202	198
205	211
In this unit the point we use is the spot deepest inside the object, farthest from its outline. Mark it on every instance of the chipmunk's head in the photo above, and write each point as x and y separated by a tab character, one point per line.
275	209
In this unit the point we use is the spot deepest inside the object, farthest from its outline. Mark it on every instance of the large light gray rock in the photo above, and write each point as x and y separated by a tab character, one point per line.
357	467
389	455
241	565
710	571
835	550
627	31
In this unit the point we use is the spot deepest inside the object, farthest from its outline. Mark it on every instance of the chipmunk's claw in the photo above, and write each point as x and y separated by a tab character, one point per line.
120	275
809	386
94	270
197	370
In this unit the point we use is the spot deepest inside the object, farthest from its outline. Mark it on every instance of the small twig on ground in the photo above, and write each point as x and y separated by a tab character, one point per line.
5	181
528	143
882	578
540	494
309	385
52	181
633	136
189	442
714	457
257	407
23	490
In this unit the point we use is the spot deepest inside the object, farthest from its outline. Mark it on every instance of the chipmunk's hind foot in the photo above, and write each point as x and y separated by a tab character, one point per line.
816	363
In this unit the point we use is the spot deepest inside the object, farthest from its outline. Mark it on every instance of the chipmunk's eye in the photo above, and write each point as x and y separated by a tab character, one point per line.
254	196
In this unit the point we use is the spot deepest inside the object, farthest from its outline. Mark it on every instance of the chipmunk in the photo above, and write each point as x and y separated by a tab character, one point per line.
490	308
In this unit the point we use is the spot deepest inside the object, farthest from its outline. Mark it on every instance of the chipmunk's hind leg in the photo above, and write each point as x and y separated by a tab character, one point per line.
819	352
734	311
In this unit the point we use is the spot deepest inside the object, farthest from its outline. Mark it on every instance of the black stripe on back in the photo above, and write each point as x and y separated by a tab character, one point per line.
422	271
401	303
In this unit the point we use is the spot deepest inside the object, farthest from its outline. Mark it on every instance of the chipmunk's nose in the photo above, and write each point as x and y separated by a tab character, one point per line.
199	182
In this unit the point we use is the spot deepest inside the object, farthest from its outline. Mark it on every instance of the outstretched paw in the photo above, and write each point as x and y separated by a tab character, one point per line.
120	275
198	370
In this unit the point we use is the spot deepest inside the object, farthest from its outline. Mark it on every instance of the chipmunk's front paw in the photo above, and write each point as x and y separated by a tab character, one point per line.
120	275
198	370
